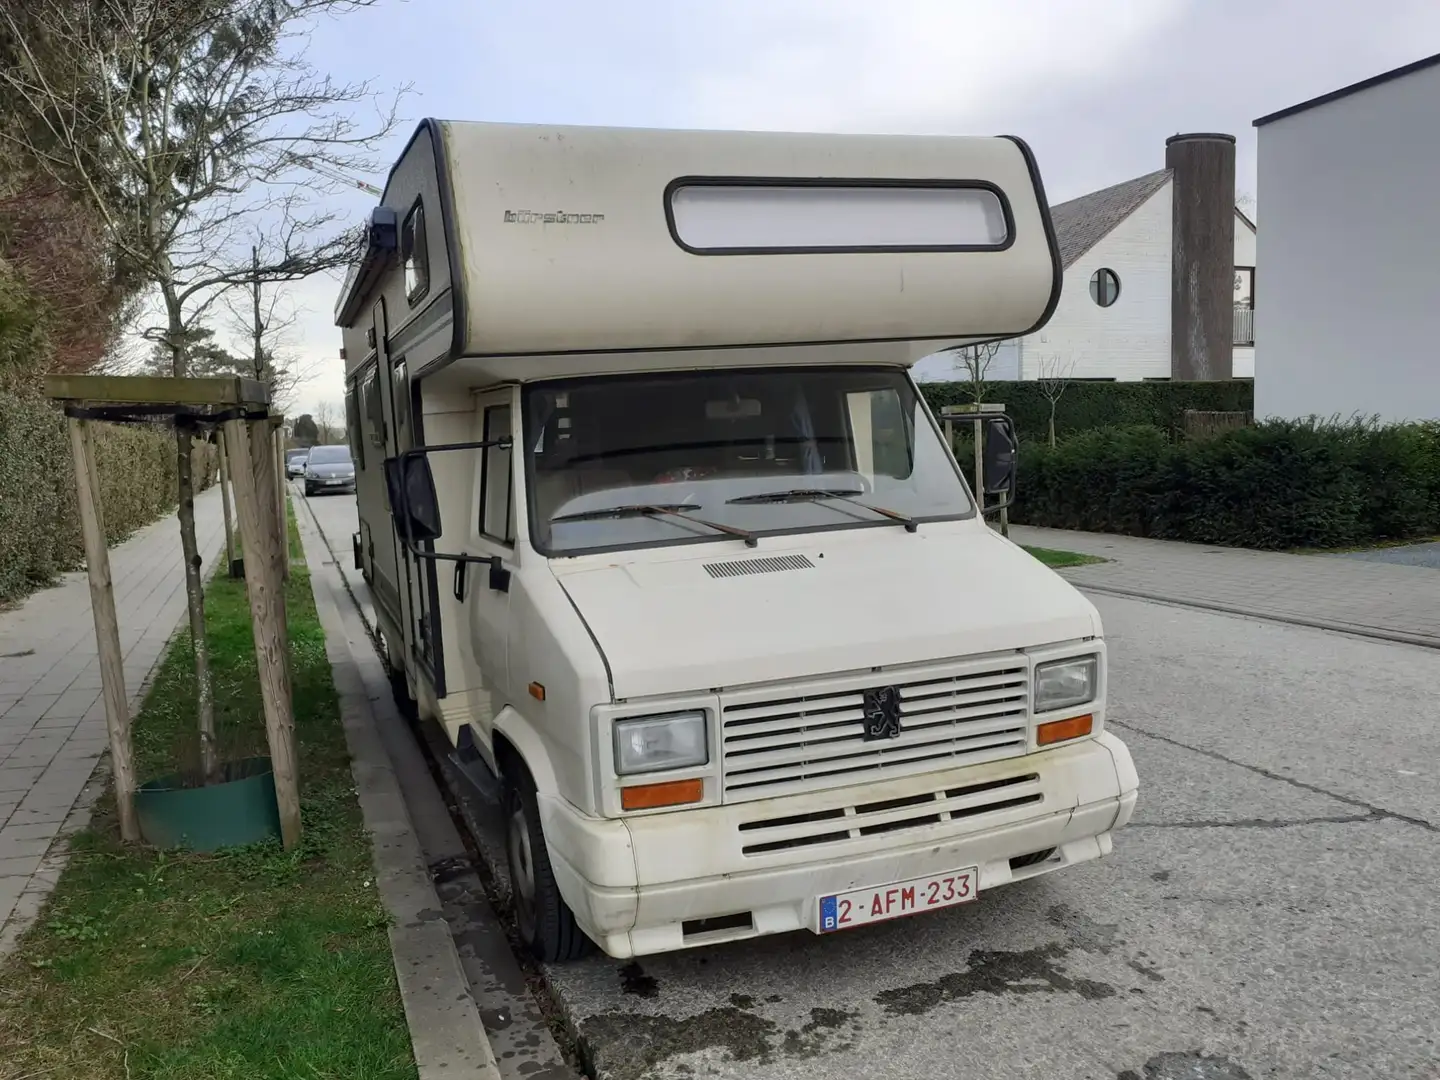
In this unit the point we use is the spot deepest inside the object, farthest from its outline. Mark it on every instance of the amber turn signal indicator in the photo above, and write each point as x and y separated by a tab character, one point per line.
537	691
670	793
1060	730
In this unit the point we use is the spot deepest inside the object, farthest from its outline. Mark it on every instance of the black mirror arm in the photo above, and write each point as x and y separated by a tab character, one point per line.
499	574
1004	504
503	443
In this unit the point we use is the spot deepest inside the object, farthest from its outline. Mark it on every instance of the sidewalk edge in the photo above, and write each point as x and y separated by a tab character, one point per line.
1374	633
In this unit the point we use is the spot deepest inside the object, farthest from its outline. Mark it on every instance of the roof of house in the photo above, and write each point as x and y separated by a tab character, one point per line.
1346	91
1082	223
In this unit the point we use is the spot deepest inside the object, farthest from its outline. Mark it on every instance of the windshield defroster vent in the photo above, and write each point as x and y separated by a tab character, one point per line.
745	567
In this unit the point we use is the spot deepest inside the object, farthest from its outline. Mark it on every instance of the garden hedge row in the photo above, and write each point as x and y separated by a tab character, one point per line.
1276	485
39	523
1087	405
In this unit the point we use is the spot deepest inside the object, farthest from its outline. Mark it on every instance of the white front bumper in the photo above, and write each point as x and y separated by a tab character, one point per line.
633	883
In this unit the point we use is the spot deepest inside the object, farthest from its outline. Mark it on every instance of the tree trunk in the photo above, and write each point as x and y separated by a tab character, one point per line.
195	596
194	584
1052	427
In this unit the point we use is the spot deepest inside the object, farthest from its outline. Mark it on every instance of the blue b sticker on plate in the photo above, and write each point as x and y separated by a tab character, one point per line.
829	918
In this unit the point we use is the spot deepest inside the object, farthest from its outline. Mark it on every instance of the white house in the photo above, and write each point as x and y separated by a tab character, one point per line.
1128	280
1351	182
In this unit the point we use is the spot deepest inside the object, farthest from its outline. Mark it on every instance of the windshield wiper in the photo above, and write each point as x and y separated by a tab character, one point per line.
814	494
654	510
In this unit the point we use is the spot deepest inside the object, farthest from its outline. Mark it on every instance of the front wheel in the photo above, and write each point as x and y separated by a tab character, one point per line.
544	920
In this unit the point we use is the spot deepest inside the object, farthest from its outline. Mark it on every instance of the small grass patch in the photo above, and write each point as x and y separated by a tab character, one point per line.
253	963
1058	560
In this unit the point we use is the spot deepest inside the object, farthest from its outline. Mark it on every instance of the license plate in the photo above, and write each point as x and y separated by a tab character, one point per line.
860	906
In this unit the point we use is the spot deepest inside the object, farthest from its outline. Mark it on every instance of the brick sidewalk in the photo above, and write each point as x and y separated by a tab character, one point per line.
52	720
1386	600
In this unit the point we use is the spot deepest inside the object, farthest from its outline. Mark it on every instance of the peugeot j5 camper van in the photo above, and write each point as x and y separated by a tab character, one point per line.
660	531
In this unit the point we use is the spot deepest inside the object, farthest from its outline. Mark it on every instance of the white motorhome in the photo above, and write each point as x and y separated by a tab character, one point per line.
660	531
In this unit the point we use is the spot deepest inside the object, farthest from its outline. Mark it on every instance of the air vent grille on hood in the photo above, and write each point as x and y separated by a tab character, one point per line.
745	567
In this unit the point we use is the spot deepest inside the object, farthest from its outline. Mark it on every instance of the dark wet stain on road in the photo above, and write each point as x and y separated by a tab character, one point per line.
630	1044
633	980
1033	971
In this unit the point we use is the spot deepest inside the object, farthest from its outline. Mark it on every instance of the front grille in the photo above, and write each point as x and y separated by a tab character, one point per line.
890	816
812	738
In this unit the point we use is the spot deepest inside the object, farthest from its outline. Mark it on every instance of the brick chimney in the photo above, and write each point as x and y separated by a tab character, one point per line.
1202	264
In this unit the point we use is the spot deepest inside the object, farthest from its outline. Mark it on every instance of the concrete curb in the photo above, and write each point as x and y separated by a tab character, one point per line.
1374	633
446	1032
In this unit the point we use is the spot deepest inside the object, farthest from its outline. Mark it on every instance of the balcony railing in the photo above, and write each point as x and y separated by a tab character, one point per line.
1244	326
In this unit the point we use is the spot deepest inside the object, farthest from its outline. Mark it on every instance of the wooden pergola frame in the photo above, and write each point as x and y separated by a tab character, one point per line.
252	459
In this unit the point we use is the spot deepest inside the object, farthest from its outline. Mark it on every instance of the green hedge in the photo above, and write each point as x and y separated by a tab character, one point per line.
39	525
1087	405
1276	485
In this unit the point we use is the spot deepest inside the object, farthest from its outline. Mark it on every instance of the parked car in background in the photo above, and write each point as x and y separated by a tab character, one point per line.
295	462
329	468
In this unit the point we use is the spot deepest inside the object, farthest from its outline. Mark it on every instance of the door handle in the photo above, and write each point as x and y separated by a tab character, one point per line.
458	585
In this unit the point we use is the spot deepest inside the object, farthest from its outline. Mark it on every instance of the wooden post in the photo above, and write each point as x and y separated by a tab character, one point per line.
107	626
254	477
225	503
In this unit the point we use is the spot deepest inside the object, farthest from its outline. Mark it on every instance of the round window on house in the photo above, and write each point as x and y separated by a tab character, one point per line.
1104	286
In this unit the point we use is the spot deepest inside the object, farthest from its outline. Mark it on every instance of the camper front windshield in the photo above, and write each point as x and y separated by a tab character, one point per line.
622	462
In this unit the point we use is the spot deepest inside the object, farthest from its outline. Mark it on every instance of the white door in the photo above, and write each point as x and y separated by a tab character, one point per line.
487	598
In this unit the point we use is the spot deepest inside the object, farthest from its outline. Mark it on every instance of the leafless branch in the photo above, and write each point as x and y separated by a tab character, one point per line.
1053	381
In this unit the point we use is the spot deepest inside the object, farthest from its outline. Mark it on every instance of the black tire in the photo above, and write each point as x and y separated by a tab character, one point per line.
543	919
309	491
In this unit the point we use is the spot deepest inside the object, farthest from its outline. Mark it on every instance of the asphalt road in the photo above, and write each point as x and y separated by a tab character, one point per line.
1269	913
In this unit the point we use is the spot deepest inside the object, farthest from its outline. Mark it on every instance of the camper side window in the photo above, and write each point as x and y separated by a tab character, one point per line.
497	495
352	425
416	252
374	408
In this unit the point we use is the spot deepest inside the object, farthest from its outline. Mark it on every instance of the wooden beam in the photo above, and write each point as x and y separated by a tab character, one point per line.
255	501
156	390
107	626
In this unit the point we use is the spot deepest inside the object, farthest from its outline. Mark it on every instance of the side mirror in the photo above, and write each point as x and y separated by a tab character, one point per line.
999	455
413	502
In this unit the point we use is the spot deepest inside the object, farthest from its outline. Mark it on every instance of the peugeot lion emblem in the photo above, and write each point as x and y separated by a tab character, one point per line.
882	713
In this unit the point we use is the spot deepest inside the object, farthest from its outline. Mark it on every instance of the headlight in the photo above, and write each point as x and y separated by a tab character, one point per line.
652	743
1062	684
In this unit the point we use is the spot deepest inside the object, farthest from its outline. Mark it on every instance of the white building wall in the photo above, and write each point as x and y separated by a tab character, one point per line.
1131	338
1348	312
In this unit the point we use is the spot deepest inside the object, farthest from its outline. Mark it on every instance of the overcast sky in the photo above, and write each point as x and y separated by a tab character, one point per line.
1095	86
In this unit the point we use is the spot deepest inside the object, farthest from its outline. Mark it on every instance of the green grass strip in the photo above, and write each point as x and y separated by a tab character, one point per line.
252	964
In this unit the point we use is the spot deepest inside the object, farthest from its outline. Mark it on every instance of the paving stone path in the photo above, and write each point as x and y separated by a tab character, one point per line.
1379	599
52	718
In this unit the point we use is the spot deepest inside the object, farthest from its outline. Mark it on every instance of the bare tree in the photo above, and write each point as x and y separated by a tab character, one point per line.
324	414
261	316
1053	380
179	123
972	362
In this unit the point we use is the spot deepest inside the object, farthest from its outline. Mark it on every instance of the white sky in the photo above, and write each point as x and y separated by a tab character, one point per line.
1095	88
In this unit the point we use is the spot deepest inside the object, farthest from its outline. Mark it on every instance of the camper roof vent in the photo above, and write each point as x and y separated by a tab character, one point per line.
745	567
